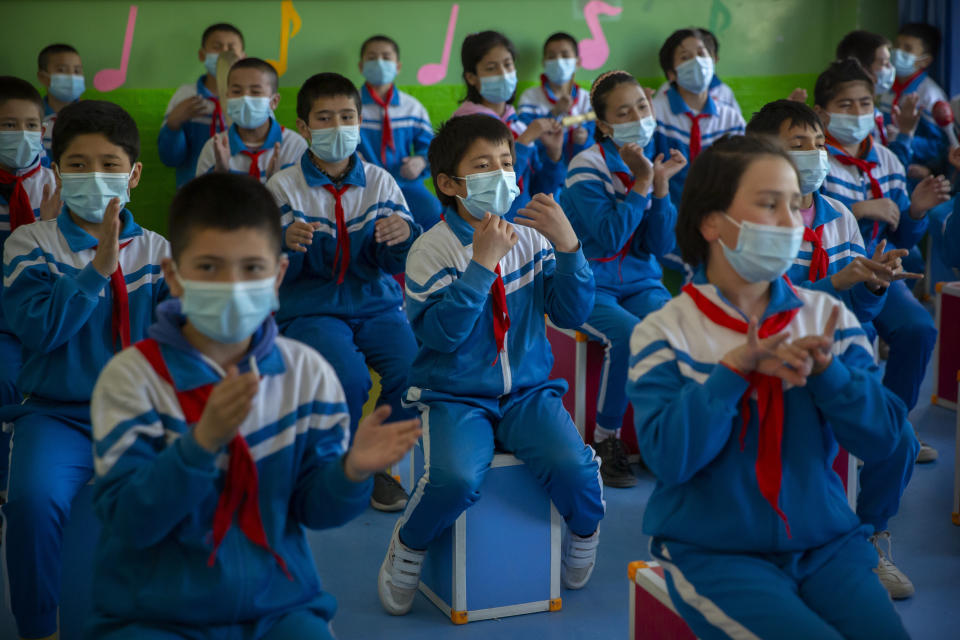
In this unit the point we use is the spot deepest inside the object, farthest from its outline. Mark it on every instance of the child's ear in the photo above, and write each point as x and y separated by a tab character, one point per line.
671	76
360	65
447	185
710	226
282	263
824	116
56	173
399	66
923	62
201	55
472	79
274	101
135	178
304	130
44	78
604	128
170	275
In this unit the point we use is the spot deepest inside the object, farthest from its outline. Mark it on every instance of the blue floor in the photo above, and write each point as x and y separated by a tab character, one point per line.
926	548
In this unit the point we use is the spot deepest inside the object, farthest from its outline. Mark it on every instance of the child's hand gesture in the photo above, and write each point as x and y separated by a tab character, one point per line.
880	209
299	235
562	105
108	248
639	165
664	170
931	191
954	157
818	347
580	135
492	240
798	95
274	163
376	445
221	153
906	115
50	203
192	107
876	274
537	128
412	166
228	406
391	230
771	356
545	215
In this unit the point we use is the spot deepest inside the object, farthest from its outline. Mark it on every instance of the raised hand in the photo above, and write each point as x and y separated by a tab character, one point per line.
299	235
377	445
771	356
639	165
580	135
391	230
192	107
228	406
818	347
931	191
880	209
50	203
537	128
274	165
492	240
562	105
798	95
221	153
906	115
412	166
544	214
108	245
663	170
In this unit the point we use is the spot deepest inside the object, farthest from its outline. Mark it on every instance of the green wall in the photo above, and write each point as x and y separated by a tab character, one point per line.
767	47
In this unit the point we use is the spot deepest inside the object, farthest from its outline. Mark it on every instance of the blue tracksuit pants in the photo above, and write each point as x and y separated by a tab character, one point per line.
460	435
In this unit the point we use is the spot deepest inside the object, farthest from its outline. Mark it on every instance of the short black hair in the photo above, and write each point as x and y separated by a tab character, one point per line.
96	116
225	202
43	59
772	115
325	85
454	138
562	36
673	41
861	45
221	26
260	65
839	73
710	41
711	185
380	38
928	34
475	46
602	86
13	88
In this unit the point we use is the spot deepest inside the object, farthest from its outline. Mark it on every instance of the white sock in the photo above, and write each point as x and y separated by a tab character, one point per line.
600	434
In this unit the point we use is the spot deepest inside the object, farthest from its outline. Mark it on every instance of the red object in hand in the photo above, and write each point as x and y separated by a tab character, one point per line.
943	116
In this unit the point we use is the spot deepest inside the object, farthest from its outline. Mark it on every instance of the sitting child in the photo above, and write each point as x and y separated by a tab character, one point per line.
477	290
742	388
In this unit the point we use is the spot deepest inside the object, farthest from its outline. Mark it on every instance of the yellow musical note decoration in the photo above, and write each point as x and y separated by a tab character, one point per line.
290	24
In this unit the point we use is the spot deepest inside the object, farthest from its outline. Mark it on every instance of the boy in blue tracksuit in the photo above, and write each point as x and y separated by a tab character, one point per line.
195	113
747	517
617	199
477	291
216	422
396	132
832	260
347	231
60	71
77	289
867	178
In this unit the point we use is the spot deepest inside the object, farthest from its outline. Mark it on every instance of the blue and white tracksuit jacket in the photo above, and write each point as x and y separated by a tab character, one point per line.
535	103
929	144
180	149
292	146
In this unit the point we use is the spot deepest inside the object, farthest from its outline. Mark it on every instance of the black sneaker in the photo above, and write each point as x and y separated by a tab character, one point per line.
388	494
615	466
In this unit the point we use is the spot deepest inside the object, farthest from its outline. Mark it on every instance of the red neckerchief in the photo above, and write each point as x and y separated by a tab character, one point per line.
899	87
216	118
120	310
769	465
819	261
342	254
241	488
628	181
864	166
878	119
386	133
254	156
695	138
501	314
546	94
21	211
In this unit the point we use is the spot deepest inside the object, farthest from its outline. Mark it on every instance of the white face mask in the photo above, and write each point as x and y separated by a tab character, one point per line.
88	194
764	251
813	166
695	74
638	131
228	312
850	129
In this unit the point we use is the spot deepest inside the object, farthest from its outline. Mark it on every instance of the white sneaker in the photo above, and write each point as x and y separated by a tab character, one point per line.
399	575
927	453
894	581
578	558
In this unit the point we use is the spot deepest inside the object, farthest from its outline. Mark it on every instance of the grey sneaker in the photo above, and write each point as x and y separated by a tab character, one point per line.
578	558
894	581
614	464
927	453
399	575
388	494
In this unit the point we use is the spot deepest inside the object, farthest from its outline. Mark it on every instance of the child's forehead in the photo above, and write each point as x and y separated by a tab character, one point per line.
222	38
852	90
19	108
249	75
790	129
378	47
485	147
690	44
334	103
913	41
63	58
498	53
94	145
559	45
243	243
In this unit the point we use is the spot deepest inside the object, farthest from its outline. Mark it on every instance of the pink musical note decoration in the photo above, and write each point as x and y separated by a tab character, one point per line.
110	79
594	51
433	73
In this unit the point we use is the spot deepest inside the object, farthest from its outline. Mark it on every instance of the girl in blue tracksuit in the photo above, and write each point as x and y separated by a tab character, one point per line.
743	387
618	201
488	60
